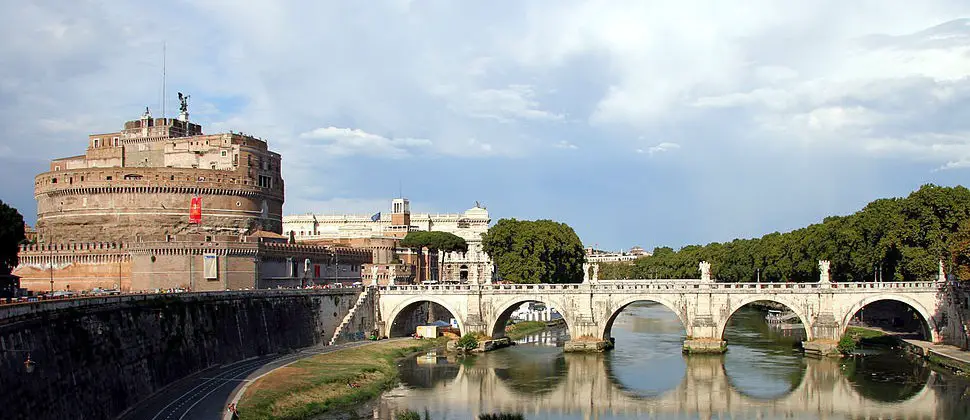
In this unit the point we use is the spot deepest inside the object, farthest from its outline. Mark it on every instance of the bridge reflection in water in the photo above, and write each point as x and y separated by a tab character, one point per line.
541	381
581	386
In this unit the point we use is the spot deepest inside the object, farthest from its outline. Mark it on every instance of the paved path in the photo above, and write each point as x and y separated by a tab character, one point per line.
205	395
943	350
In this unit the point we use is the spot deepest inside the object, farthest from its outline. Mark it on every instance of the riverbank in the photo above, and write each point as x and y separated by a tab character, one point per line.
328	383
522	329
940	355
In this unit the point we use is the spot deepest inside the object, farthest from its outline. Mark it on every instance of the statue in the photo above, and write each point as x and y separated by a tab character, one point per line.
585	272
823	268
147	113
392	275
941	277
184	103
596	272
705	269
306	268
373	273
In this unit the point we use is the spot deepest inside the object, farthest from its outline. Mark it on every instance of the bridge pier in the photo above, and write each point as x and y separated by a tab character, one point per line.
584	337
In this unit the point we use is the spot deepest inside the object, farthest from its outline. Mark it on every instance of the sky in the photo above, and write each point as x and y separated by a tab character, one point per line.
635	122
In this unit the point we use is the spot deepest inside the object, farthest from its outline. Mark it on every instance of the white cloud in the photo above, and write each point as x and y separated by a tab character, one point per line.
563	144
514	102
659	148
352	141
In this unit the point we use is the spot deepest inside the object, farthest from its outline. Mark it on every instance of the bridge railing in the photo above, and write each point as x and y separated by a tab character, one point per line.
662	285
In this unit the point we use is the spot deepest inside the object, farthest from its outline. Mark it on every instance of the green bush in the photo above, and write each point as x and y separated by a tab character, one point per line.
408	415
467	342
847	344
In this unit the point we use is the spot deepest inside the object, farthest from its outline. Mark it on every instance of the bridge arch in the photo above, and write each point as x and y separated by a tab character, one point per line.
503	311
613	313
392	318
780	299
929	325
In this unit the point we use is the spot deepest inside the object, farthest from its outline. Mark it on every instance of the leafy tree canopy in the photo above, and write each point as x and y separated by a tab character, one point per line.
441	241
541	251
11	235
890	239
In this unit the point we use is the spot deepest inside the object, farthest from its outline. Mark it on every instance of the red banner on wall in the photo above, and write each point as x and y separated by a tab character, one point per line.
195	210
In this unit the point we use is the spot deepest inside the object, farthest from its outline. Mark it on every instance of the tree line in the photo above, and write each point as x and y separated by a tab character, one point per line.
892	239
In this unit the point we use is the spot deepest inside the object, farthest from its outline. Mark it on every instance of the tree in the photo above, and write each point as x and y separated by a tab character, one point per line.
960	253
890	239
434	240
11	235
541	251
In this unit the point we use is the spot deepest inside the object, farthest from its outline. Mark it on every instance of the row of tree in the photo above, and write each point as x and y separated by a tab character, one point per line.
894	239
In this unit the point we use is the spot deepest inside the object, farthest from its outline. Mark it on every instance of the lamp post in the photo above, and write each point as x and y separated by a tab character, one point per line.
50	253
29	364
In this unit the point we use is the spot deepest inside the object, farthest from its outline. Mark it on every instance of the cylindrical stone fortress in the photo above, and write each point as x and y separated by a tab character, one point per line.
140	182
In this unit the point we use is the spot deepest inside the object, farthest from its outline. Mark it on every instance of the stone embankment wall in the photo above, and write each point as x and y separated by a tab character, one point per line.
96	357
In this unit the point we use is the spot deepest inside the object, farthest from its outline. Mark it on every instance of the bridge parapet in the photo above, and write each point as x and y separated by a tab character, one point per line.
676	286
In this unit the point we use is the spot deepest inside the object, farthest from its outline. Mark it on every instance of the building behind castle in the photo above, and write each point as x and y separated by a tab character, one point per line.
382	232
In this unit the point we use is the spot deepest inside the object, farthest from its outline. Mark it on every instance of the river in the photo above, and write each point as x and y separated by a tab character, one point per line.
762	375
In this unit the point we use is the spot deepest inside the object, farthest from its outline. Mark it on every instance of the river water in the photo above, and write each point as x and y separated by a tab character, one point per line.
646	376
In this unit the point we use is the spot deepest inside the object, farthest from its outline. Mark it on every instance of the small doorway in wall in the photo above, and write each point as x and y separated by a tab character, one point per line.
463	273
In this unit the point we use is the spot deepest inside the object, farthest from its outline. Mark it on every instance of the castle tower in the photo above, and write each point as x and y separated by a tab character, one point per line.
400	212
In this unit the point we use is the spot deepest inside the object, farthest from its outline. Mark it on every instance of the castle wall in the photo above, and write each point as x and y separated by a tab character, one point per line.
119	204
79	266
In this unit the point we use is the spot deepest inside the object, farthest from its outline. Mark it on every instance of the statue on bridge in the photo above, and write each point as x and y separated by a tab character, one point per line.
585	272
823	268
373	273
705	269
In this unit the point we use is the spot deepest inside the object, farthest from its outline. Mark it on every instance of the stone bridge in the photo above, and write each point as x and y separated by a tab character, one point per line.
588	386
704	307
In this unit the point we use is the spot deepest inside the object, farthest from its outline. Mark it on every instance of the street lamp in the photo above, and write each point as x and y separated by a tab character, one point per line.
29	364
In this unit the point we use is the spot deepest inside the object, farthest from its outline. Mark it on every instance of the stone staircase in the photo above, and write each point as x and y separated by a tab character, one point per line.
367	293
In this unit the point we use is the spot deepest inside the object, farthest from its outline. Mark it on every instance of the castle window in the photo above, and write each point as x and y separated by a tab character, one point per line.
171	178
57	168
223	153
53	180
265	181
108	178
82	178
97	142
114	142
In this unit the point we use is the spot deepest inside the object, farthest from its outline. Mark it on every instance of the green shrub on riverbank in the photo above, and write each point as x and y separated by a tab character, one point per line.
522	329
324	383
855	335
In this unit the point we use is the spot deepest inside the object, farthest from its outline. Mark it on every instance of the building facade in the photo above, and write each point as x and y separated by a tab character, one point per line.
140	181
472	266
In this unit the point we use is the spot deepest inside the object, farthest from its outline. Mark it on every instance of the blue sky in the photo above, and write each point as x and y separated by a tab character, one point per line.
637	123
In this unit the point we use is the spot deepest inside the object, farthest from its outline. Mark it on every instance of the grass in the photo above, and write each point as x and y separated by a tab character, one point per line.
860	333
319	384
522	329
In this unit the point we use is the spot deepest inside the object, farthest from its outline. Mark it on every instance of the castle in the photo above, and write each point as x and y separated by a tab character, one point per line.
139	182
160	205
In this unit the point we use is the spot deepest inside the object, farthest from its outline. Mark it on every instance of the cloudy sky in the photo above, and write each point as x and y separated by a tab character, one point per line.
636	122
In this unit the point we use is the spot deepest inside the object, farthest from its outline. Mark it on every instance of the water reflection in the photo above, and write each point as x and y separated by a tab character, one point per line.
646	376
